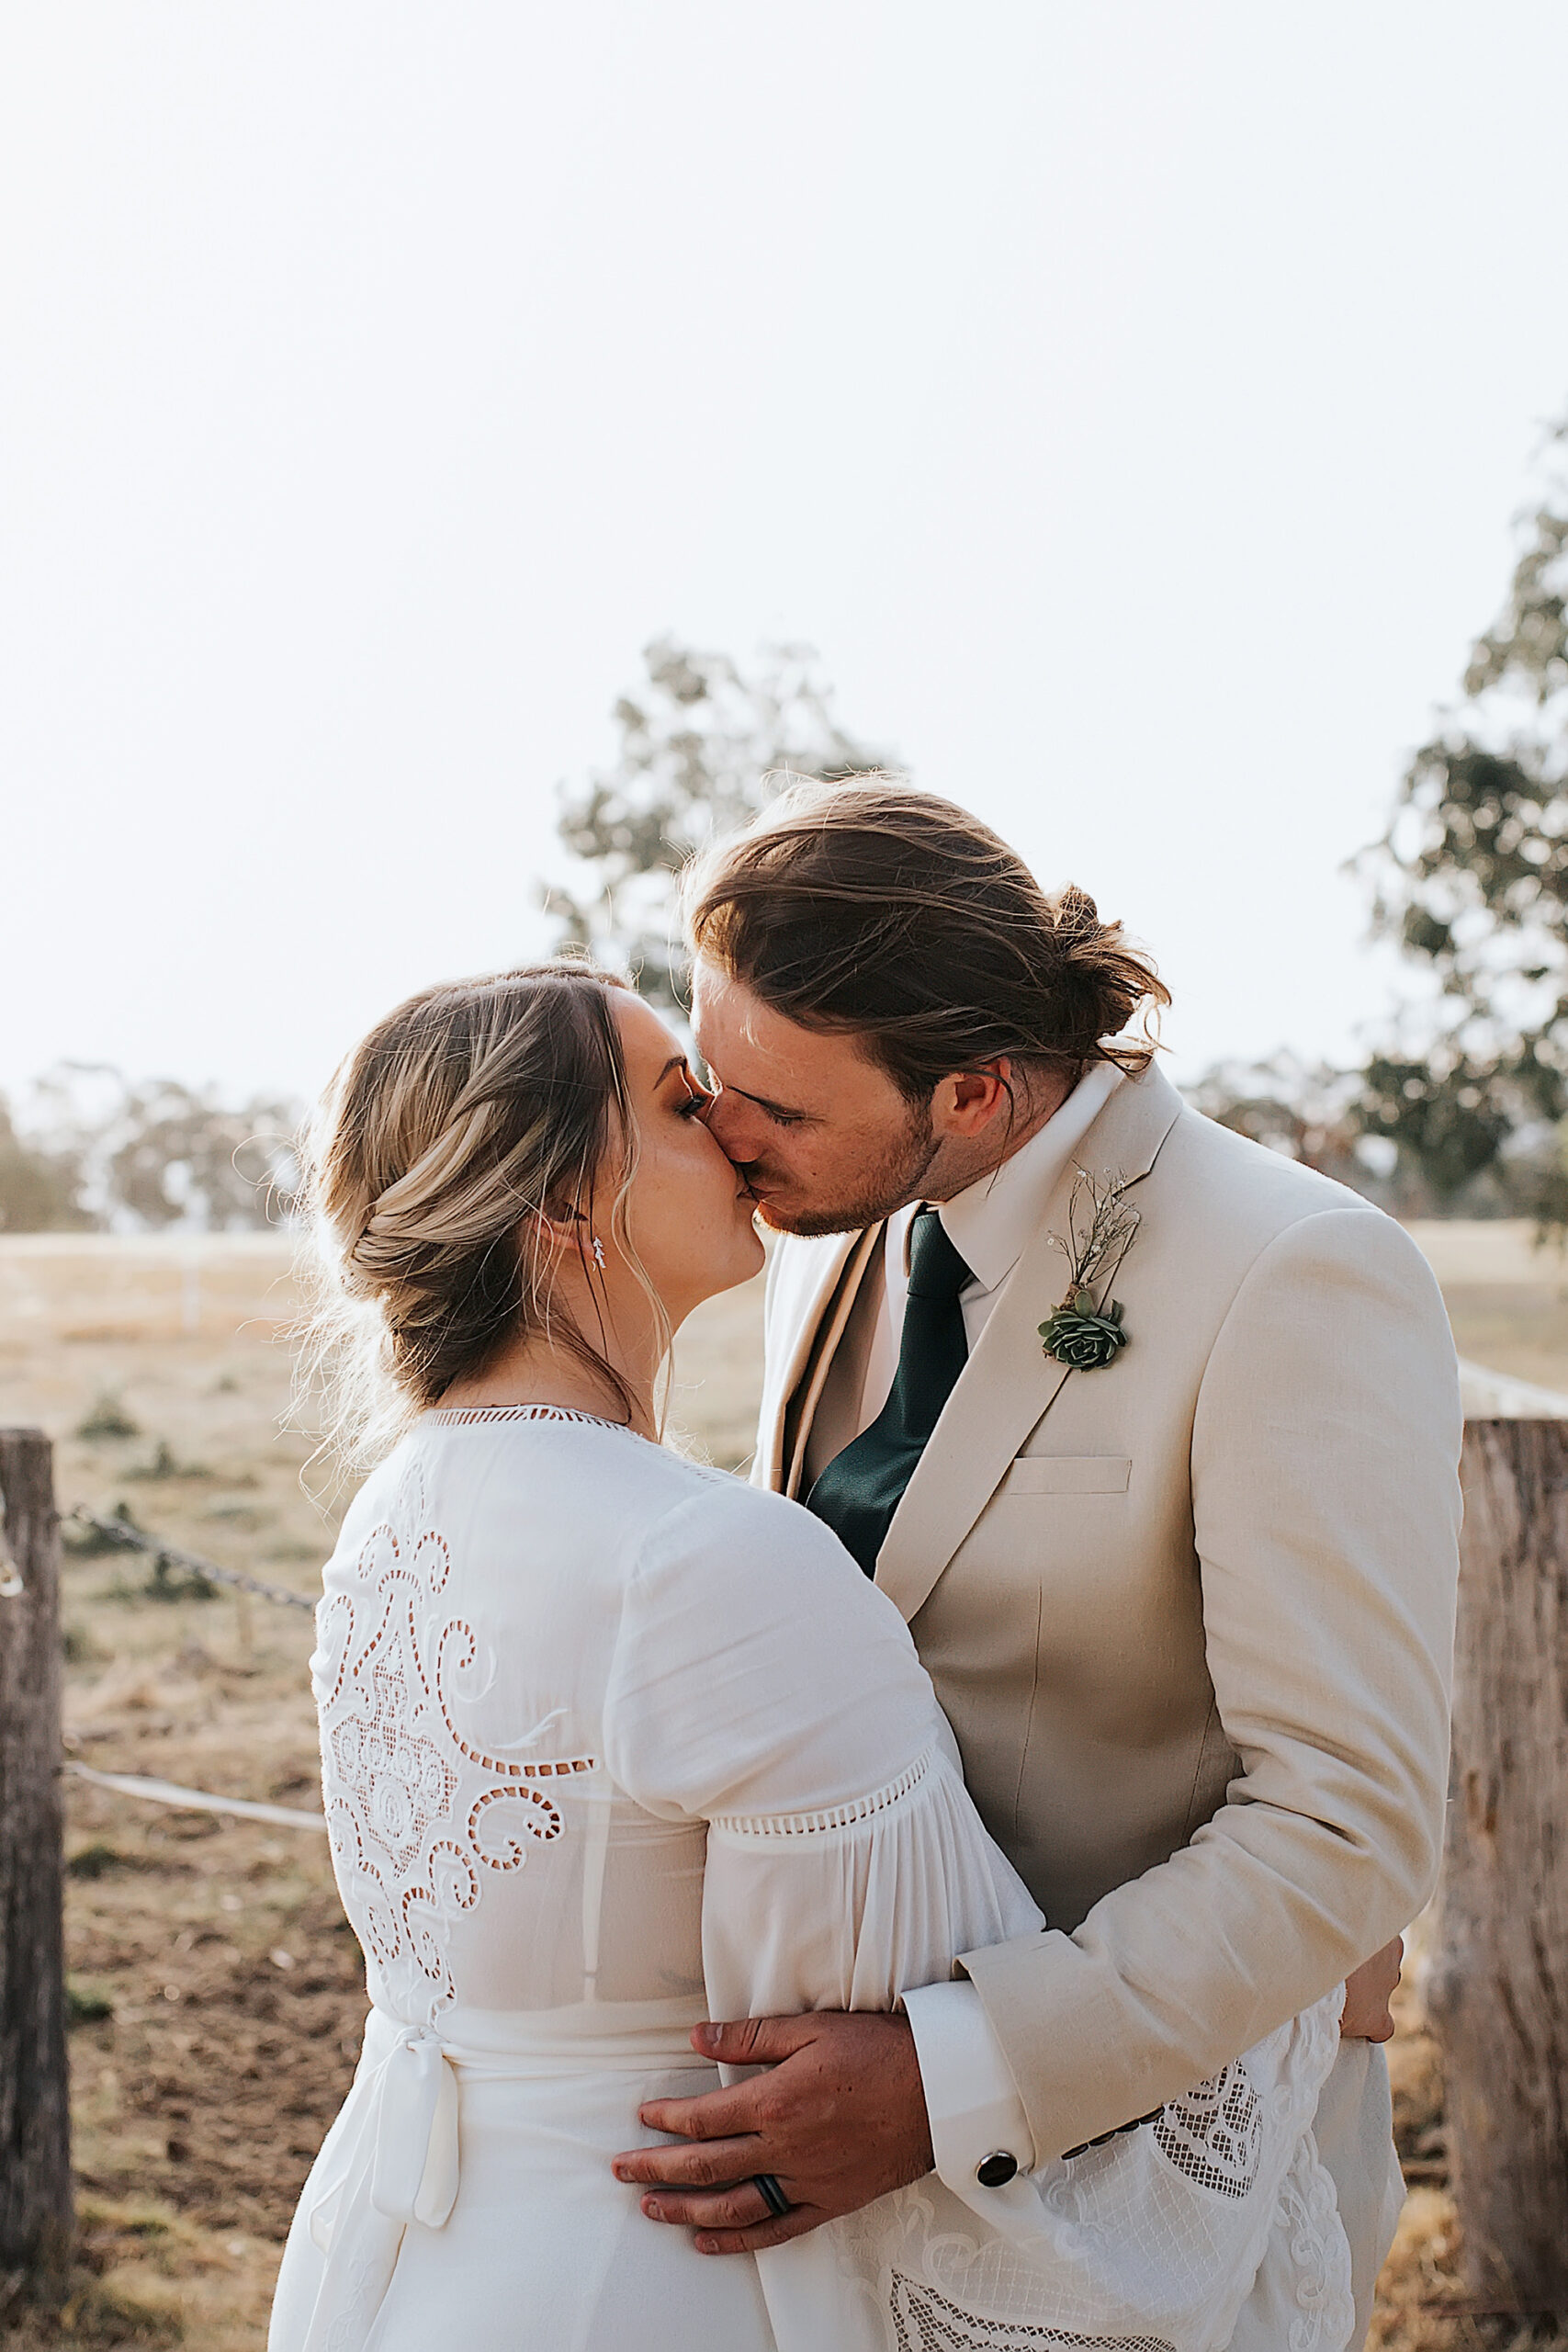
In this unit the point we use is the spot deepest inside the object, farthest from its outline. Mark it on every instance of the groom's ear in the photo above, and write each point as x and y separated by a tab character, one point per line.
967	1102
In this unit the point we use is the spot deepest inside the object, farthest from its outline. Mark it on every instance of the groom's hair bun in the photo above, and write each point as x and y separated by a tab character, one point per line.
871	908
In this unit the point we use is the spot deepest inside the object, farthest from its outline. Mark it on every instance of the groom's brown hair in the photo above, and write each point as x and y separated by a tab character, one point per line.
869	908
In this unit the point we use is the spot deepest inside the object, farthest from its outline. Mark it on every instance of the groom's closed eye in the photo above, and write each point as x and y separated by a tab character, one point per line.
781	1113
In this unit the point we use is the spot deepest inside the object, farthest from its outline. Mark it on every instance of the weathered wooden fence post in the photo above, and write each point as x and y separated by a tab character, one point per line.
1498	1993
35	2141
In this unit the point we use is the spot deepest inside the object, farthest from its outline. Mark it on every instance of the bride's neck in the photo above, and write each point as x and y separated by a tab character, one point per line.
532	1372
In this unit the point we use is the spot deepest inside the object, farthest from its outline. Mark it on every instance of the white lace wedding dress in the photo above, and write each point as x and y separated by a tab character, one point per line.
611	1743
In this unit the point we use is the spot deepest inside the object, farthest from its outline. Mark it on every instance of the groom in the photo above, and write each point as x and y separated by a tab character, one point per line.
1151	1435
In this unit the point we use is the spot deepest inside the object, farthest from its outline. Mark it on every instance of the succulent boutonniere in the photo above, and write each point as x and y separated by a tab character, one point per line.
1084	1334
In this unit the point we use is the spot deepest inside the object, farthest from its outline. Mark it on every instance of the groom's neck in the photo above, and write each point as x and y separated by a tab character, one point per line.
960	1161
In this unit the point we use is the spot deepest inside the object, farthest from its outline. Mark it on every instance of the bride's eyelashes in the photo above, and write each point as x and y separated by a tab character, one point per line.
695	1104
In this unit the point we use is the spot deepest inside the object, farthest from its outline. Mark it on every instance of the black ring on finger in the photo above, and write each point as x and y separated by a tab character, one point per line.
773	2198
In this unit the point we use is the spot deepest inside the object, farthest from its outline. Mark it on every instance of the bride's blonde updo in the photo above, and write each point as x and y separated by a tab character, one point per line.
470	1106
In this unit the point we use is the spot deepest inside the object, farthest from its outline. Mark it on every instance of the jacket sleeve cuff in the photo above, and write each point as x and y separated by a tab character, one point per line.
971	2098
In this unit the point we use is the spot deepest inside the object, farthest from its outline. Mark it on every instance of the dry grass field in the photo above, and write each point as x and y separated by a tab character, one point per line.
216	1988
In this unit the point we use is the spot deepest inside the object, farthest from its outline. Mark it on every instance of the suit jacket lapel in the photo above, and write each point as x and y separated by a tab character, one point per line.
1010	1381
809	1283
800	1408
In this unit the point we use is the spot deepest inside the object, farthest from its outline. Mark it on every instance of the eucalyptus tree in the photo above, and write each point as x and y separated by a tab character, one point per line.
1472	880
703	745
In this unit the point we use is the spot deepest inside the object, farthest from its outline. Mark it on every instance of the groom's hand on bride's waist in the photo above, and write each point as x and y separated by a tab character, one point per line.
838	2119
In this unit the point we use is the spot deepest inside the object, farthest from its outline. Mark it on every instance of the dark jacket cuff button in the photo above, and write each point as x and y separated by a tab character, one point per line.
996	2169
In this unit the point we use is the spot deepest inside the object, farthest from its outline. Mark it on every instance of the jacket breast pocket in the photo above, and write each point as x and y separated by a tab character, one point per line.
1068	1474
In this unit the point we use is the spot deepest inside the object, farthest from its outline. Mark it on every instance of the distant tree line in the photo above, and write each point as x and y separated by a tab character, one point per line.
90	1150
1462	1109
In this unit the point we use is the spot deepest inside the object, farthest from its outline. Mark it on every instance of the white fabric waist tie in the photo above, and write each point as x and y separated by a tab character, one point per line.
413	2174
392	2157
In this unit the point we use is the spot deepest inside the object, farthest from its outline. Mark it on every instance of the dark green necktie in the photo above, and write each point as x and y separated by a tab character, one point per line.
860	1488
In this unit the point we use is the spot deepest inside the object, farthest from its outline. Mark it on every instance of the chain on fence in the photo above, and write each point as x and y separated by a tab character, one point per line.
132	1539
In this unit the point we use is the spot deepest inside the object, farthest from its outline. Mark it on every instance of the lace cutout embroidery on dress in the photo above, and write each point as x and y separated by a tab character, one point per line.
1215	2134
926	2322
394	1755
1309	2211
837	1817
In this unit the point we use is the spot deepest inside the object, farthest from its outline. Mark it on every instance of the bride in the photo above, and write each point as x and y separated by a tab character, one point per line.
612	1743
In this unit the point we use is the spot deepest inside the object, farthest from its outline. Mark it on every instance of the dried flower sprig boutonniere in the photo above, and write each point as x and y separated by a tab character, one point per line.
1083	1334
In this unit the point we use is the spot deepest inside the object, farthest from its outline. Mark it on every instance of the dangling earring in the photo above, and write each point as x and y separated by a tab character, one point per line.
594	1243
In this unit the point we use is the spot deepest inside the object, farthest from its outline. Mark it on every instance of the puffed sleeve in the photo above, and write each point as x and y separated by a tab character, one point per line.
763	1685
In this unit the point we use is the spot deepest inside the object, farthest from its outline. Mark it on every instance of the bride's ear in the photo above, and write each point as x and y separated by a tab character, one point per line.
551	1233
559	1230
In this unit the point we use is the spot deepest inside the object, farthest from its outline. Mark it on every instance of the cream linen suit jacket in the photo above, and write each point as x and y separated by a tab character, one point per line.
1190	1613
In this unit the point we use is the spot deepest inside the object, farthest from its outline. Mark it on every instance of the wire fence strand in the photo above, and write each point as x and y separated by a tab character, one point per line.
170	1792
132	1539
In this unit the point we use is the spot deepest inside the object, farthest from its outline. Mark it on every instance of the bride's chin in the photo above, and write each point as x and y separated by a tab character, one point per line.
729	1269
750	1254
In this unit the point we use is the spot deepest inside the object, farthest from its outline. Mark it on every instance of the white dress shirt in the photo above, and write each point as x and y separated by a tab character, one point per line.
971	2098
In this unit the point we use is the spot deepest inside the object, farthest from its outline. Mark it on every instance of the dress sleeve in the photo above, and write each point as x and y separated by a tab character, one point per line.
761	1684
764	1686
1161	2236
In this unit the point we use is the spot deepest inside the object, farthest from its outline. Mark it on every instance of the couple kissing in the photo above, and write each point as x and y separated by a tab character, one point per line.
945	1893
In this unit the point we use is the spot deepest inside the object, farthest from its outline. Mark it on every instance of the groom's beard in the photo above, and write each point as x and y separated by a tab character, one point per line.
873	1192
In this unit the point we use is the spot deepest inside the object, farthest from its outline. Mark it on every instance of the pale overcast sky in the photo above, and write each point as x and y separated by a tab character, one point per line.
1131	401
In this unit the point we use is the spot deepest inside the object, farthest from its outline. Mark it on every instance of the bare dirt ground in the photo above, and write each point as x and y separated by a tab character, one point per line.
216	1987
